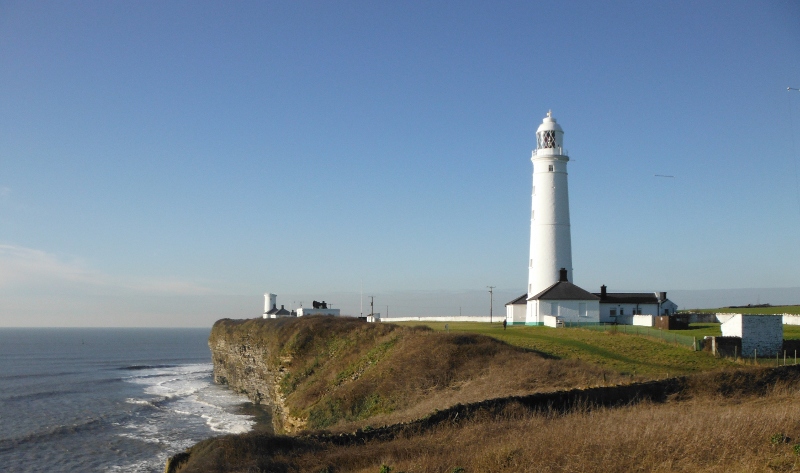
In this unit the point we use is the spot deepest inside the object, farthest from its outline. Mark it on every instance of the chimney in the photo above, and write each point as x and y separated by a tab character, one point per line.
562	275
603	291
274	306
662	296
282	307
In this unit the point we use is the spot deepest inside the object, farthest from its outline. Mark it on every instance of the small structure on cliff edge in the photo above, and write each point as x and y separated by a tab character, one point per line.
271	310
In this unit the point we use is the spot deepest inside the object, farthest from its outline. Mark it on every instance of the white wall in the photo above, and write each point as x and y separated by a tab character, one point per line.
763	333
515	313
465	318
304	311
724	317
627	311
669	306
791	319
550	321
571	311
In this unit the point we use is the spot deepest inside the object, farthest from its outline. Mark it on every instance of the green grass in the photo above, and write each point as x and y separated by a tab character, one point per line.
701	330
783	309
620	352
791	332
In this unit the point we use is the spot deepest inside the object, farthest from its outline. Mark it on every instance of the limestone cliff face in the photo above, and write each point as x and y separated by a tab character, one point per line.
246	366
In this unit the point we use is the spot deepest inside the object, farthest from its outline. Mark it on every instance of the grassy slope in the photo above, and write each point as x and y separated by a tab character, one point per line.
721	423
343	372
619	352
753	427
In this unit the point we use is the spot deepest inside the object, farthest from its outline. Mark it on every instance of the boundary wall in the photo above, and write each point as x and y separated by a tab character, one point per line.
498	319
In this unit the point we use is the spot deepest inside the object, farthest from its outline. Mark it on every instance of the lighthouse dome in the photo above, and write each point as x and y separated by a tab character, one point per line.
549	123
549	135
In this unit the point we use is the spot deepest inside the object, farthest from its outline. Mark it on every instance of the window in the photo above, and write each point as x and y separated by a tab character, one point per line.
546	139
582	309
613	312
621	311
529	288
534	190
532	216
550	168
531	265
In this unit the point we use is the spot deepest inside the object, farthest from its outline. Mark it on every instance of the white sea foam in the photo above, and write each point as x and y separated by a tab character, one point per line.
184	395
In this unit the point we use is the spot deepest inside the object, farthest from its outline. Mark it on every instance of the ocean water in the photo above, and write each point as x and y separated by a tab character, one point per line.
116	400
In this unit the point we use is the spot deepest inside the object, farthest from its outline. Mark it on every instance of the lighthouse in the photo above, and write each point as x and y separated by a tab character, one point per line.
551	242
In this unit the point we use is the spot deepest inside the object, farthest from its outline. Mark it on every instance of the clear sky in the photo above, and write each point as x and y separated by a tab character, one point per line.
166	163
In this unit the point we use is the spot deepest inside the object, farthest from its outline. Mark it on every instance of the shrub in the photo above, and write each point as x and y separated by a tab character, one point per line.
777	439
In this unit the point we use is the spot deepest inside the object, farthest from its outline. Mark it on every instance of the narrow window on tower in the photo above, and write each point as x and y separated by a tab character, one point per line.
531	263
550	168
532	217
534	190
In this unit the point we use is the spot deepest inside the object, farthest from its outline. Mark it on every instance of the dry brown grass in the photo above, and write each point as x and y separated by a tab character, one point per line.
345	374
707	433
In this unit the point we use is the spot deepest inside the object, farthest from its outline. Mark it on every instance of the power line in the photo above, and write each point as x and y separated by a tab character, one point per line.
491	301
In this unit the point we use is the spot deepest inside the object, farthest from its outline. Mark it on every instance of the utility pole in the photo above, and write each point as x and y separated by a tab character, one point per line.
372	305
491	301
362	298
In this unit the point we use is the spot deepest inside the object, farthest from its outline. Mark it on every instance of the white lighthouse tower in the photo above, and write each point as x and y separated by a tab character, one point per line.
551	243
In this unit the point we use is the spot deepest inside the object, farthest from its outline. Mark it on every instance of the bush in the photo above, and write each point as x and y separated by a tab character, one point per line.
777	439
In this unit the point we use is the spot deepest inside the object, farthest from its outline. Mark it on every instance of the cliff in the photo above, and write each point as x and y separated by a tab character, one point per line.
342	373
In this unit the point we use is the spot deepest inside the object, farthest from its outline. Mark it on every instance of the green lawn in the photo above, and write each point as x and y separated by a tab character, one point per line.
791	332
617	351
701	330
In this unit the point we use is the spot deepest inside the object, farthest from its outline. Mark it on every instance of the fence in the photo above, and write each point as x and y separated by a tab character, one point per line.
670	337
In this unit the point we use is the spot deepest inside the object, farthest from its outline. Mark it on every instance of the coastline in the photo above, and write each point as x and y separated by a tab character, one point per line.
261	413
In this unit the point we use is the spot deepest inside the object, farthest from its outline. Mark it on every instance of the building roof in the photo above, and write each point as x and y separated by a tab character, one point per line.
628	298
523	299
565	291
282	311
274	310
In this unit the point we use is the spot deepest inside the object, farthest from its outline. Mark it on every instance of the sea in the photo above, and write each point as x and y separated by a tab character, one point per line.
109	400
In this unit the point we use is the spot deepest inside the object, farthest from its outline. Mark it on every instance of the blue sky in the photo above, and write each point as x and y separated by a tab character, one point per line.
167	163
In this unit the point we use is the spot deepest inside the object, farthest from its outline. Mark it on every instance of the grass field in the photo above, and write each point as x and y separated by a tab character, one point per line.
627	354
783	309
